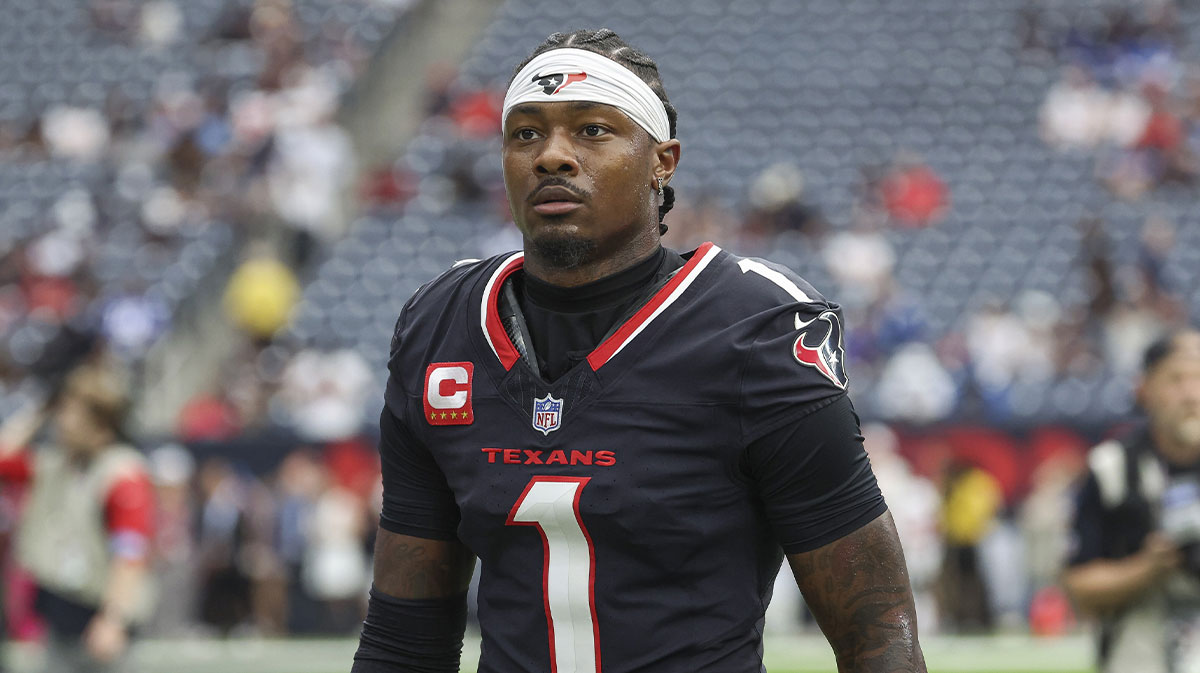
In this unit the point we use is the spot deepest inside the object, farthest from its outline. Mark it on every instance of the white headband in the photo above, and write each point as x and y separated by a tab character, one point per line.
580	75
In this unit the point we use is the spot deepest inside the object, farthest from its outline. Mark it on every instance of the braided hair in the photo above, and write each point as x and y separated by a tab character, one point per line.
607	43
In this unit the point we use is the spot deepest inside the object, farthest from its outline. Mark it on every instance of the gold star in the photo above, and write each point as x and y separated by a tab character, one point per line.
433	415
453	414
443	415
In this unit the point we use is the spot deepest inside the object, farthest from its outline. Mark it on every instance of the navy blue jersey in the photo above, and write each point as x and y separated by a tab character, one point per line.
631	515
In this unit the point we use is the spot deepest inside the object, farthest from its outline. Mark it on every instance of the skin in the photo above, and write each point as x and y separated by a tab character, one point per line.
413	567
858	589
1170	395
612	166
857	586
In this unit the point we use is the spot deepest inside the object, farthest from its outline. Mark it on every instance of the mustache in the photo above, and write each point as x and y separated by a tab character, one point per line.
555	181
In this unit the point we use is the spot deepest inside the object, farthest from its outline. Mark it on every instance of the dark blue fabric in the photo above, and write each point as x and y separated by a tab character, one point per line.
411	636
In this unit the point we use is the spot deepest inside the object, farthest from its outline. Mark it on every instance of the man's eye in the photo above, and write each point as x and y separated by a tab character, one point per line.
594	130
525	134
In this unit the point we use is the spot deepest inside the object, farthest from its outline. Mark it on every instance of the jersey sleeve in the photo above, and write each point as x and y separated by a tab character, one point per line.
129	516
814	478
16	468
794	365
417	500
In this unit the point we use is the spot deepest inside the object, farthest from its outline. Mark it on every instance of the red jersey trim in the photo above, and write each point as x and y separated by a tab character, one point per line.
502	346
489	317
657	304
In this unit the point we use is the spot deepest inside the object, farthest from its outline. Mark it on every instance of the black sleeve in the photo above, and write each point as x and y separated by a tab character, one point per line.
1087	524
814	478
411	635
417	500
795	365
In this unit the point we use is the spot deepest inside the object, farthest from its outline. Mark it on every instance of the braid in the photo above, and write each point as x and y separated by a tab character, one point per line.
607	43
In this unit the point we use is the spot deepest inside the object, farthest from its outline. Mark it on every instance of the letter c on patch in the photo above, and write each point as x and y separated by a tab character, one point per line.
448	393
448	387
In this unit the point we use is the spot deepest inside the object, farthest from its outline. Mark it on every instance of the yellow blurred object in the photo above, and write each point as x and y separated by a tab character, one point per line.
261	295
970	507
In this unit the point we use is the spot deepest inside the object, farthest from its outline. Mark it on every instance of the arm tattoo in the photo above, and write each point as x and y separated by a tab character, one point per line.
413	567
858	589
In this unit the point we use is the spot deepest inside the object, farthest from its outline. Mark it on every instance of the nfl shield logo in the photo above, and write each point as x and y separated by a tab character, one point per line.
547	414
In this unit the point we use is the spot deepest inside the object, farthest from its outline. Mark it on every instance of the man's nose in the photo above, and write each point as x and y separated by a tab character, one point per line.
557	155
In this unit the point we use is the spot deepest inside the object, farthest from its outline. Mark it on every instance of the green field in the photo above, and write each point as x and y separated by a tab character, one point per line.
784	654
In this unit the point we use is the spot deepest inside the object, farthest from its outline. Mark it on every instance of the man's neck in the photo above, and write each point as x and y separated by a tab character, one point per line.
606	264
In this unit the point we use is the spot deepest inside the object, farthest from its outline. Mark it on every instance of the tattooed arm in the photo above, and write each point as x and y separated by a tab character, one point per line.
418	607
413	567
858	589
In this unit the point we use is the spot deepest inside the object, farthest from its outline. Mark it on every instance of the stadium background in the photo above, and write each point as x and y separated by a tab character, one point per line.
233	198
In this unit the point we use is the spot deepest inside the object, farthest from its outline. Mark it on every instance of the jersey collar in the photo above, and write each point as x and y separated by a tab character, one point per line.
502	346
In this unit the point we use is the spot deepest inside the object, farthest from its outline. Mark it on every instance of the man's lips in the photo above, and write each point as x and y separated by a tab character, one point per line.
555	207
554	200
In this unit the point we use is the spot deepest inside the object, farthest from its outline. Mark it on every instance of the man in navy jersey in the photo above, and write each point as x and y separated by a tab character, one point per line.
629	439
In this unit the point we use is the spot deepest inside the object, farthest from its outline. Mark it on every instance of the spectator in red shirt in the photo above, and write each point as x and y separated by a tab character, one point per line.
914	194
86	530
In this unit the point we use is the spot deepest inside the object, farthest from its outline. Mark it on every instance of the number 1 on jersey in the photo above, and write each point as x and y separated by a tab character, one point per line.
551	504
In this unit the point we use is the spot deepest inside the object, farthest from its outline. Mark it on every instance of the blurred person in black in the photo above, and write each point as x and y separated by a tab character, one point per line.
1134	562
86	530
630	439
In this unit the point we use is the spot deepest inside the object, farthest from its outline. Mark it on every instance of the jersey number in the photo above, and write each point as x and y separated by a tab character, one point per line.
551	504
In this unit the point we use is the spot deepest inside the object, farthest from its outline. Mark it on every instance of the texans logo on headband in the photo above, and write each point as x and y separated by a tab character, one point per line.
552	84
826	354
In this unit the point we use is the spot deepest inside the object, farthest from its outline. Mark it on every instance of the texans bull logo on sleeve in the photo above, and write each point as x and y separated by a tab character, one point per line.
552	84
819	346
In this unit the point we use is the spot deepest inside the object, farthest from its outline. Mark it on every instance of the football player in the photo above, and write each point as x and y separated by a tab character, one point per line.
627	438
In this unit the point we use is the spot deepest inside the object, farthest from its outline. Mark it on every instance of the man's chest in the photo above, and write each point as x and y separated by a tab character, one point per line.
636	463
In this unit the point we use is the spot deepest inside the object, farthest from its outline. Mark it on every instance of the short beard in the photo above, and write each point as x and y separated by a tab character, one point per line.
565	252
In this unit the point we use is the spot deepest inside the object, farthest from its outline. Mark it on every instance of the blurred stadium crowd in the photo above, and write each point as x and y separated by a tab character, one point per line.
1001	197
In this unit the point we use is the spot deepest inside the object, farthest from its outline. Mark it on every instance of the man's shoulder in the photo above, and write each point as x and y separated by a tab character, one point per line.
457	281
753	286
439	304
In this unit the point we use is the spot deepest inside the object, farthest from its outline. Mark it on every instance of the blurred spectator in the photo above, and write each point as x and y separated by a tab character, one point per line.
87	529
261	294
1073	114
1154	247
692	223
208	416
1134	558
312	161
914	386
172	469
132	322
777	204
325	393
1002	351
861	260
1096	256
336	564
1045	516
972	499
76	133
913	193
914	503
222	539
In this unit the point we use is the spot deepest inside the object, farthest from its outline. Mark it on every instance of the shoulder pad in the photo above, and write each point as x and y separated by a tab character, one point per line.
777	281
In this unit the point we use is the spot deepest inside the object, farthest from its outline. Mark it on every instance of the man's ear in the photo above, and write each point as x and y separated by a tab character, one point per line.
666	160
